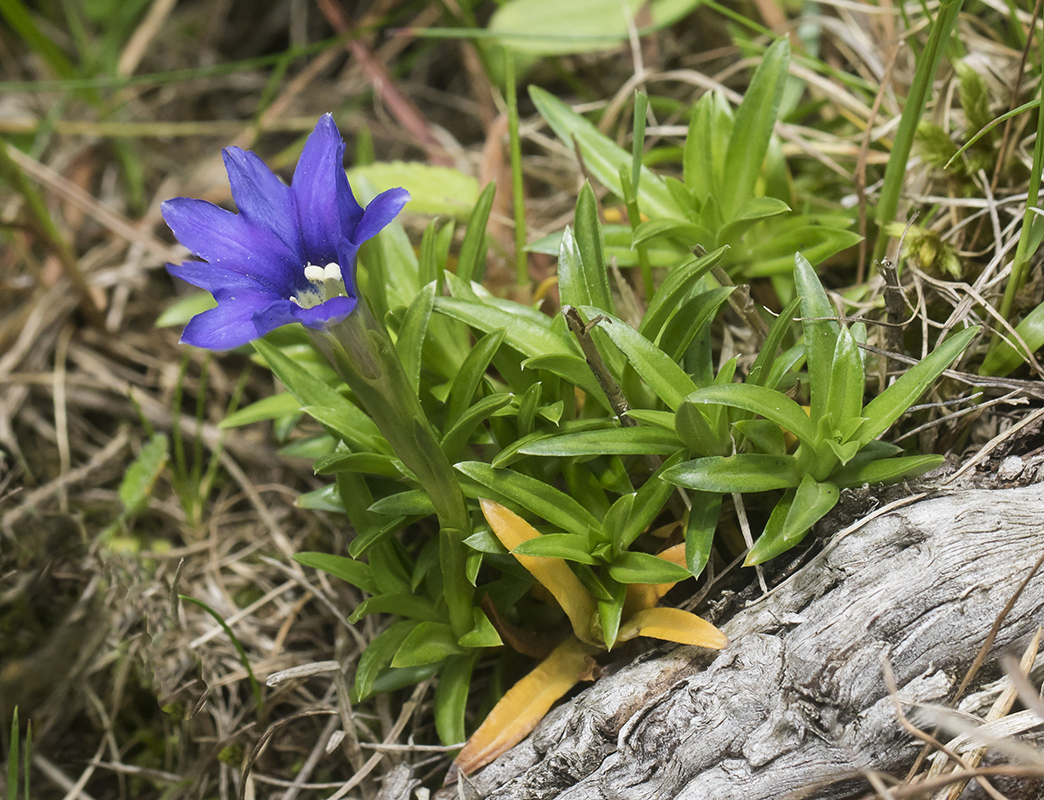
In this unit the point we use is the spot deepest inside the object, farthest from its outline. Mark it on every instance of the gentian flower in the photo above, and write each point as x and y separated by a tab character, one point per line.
288	255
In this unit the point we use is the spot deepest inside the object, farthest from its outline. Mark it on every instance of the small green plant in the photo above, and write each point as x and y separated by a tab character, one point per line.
838	437
481	447
735	191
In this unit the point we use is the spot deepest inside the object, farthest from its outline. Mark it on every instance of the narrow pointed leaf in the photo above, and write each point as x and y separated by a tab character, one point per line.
768	403
542	499
603	157
821	331
552	573
892	403
525	704
753	126
740	473
673	625
656	368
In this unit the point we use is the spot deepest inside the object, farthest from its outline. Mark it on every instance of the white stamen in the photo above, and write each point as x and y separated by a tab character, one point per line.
324	283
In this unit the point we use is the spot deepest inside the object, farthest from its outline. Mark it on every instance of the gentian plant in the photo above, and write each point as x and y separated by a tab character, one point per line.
514	477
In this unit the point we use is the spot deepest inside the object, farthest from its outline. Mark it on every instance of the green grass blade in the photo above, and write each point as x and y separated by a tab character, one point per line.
920	90
254	685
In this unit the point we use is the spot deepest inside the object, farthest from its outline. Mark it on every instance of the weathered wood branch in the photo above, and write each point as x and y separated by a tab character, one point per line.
797	705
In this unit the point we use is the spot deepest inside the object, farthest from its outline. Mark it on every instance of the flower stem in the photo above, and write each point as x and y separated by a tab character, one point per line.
362	354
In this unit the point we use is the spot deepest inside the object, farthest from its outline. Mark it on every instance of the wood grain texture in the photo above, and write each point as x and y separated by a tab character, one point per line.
797	704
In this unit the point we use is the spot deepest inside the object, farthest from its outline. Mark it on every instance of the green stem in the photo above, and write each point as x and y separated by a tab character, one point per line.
518	197
361	353
920	89
1020	264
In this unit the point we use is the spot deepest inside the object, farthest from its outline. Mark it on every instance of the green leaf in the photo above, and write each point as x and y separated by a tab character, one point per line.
410	606
610	612
769	352
847	381
429	267
378	654
753	210
427	643
892	403
766	436
603	157
618	240
410	343
821	332
273	407
618	441
706	145
572	285
591	244
525	336
646	568
674	290
435	190
451	698
414	502
141	475
699	532
792	519
482	633
471	373
456	438
754	122
471	264
1002	358
535	495
694	426
746	472
771	252
691	320
646	505
884	470
311	391
572	368
362	463
769	403
184	309
664	376
547	27
357	573
325	498
567	546
689	234
351	425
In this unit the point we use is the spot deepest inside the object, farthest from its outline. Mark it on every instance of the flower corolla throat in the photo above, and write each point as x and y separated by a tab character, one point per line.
323	283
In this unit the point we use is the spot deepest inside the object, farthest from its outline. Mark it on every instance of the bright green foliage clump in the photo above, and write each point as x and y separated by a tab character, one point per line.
735	190
598	425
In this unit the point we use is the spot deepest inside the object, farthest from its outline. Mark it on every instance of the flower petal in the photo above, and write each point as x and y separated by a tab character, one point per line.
228	240
381	211
216	279
325	314
283	312
324	199
262	197
229	325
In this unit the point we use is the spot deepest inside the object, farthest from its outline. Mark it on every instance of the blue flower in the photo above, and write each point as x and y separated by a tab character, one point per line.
288	255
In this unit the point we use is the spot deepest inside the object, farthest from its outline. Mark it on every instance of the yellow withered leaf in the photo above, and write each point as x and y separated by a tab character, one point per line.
673	625
553	573
526	703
